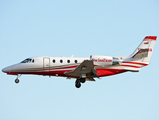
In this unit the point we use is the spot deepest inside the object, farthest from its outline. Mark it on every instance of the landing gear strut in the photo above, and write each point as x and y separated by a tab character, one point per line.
79	81
17	80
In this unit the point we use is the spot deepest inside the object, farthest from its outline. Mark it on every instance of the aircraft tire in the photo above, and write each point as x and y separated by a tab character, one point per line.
17	80
77	83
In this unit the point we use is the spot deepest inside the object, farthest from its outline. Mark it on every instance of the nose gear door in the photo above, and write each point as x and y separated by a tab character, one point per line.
46	64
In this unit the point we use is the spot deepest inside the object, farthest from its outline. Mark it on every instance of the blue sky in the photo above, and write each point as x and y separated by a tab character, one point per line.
80	28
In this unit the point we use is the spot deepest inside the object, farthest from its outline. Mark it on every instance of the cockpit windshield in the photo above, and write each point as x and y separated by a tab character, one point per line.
28	60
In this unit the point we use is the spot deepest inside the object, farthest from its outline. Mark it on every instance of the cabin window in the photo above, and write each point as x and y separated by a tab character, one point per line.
68	61
61	61
53	61
75	61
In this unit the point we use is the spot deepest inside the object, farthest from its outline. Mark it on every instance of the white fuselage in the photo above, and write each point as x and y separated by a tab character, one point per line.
86	68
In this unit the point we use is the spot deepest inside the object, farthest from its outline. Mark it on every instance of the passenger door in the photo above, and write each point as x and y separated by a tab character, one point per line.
46	64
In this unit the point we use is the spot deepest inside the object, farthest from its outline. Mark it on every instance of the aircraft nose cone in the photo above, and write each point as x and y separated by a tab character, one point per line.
7	69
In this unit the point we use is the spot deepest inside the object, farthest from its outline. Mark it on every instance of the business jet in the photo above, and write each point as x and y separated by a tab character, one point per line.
85	68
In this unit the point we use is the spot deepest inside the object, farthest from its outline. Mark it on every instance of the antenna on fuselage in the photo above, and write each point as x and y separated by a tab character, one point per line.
72	55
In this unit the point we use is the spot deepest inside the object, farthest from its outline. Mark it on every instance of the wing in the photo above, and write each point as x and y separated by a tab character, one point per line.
85	69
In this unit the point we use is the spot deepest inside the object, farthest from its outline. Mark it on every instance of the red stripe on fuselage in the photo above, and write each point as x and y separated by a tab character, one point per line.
64	67
137	63
100	72
41	69
12	73
130	66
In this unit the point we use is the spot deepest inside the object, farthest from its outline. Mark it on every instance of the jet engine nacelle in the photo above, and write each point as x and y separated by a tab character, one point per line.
102	60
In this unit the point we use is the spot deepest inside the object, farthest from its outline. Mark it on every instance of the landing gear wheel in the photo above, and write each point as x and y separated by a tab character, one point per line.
17	80
82	80
77	83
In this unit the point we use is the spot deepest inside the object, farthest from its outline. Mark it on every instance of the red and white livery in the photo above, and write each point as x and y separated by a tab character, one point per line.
85	69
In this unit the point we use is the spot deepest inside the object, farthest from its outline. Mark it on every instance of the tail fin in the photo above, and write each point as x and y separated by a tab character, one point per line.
144	51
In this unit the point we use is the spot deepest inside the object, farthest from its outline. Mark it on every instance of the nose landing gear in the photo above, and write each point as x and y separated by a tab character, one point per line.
17	80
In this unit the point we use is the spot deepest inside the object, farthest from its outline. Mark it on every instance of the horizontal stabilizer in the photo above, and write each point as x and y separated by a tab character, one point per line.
141	53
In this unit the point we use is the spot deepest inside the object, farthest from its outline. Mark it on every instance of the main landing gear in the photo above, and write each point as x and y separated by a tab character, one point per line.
17	80
79	81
